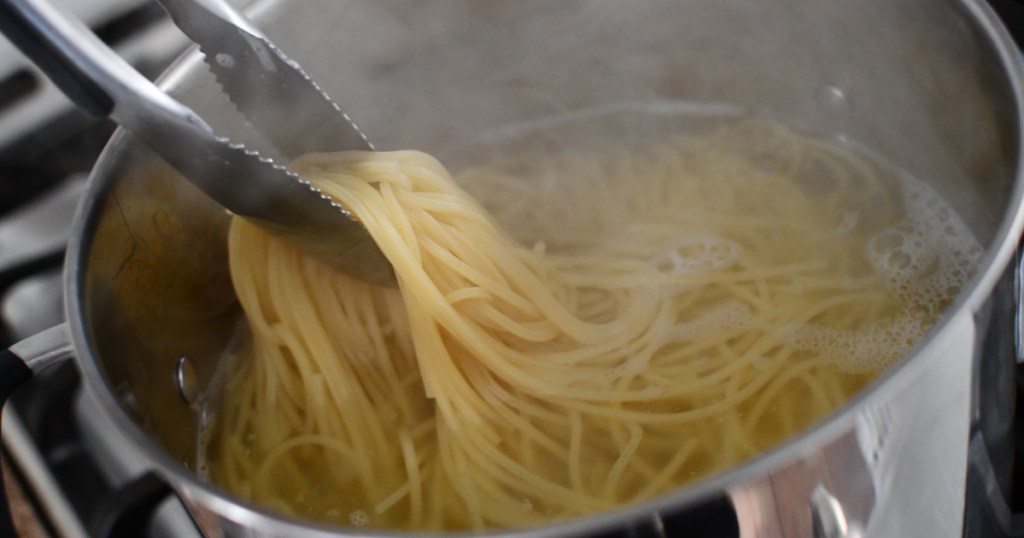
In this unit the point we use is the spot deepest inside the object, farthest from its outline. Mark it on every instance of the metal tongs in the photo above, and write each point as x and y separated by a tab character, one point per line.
277	97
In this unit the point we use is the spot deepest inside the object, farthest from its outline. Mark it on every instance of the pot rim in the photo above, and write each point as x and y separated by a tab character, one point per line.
996	257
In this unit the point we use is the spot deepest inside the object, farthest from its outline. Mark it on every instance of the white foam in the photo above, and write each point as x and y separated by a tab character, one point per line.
865	350
924	260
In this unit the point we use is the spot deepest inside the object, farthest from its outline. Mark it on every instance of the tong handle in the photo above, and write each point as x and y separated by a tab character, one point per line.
104	84
243	181
195	14
37	29
84	68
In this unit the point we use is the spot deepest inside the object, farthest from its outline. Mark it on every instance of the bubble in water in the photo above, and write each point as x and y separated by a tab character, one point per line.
698	253
899	260
846	224
202	447
358	518
225	60
833	97
665	264
886	241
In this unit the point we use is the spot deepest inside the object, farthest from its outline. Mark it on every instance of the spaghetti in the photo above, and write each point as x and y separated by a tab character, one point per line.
584	331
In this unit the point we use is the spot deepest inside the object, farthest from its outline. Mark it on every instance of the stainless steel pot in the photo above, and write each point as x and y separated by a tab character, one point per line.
932	85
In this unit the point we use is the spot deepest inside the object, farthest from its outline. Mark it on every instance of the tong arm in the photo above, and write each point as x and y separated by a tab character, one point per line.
102	83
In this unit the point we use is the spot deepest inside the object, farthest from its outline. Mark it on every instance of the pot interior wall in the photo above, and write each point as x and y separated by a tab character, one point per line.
915	81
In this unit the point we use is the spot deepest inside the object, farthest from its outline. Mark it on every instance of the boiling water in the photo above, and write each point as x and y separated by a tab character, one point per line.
909	254
915	241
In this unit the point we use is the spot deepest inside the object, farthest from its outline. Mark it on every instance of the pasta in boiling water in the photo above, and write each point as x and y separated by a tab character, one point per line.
583	331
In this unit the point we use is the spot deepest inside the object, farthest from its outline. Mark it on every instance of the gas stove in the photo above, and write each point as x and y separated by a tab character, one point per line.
74	482
63	481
